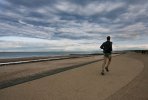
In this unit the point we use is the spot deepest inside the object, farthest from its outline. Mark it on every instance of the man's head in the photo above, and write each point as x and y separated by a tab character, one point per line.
108	38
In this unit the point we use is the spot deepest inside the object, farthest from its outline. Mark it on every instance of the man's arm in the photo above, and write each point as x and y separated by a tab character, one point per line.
102	46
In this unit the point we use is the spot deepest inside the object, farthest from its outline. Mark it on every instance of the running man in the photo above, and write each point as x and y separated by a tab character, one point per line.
107	50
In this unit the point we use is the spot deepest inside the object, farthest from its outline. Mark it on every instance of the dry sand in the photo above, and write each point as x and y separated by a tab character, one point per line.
84	83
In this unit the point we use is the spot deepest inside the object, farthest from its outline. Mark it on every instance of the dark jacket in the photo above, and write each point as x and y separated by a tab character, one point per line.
107	47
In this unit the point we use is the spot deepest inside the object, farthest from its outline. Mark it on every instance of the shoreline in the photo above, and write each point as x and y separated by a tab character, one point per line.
11	61
41	58
34	58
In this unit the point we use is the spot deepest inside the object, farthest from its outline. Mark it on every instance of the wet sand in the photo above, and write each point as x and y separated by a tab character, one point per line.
83	83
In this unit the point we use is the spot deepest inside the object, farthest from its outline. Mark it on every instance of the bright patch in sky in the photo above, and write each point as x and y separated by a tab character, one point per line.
72	25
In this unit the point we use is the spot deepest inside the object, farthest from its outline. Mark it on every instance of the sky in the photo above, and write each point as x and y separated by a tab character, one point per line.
72	25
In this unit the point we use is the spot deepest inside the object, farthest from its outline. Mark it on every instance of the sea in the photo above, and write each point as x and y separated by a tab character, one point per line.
5	55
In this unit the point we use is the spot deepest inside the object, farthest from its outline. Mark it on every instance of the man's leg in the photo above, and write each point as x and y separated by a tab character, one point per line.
108	63
103	65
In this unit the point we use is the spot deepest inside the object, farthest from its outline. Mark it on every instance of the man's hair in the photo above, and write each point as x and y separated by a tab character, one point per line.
108	37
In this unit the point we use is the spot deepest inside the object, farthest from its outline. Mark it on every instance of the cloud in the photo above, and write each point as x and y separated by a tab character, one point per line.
81	23
134	13
20	43
89	9
132	47
31	3
134	27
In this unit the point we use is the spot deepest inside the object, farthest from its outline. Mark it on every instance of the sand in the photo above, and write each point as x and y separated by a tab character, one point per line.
83	83
9	72
137	89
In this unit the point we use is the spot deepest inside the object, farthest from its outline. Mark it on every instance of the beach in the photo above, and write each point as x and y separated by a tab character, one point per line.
127	75
11	71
